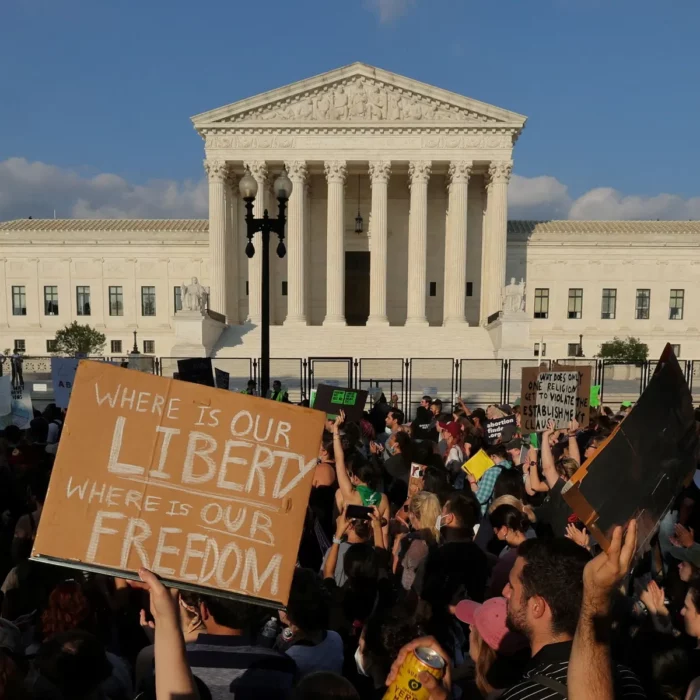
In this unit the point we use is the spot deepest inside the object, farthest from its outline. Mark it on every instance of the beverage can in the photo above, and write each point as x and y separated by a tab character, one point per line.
407	685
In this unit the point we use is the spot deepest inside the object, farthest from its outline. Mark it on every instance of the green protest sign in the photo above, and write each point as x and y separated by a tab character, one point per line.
595	396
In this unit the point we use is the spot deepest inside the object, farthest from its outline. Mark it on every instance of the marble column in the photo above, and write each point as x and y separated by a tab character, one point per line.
379	172
258	169
231	189
493	276
418	174
336	172
216	173
296	254
456	244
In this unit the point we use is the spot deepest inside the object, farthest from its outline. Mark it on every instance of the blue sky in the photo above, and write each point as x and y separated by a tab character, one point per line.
96	95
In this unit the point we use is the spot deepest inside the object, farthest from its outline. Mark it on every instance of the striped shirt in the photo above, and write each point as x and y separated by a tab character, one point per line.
552	661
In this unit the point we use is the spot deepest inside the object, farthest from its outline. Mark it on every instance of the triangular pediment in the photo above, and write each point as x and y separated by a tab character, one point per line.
357	94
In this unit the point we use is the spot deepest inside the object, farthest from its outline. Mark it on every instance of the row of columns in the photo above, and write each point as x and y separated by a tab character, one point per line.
223	223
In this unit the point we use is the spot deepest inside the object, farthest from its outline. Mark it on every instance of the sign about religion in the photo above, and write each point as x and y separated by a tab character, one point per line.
332	400
63	371
206	488
196	370
495	427
583	397
547	396
641	468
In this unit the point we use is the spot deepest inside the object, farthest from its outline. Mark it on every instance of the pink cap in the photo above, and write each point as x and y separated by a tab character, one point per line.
490	622
454	429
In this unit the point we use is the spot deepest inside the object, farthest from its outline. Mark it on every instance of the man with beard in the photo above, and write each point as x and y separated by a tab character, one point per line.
544	593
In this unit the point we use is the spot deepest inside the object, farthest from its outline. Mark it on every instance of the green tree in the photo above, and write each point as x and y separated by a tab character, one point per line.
75	339
628	350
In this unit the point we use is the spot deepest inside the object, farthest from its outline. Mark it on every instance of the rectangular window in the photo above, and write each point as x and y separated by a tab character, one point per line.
116	303
19	301
149	347
470	289
284	288
575	303
675	304
148	301
51	345
177	299
115	347
82	300
574	350
676	350
541	303
20	345
433	289
642	304
542	347
608	307
51	301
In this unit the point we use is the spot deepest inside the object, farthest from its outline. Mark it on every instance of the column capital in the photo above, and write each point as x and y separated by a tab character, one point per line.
459	171
380	170
216	170
297	170
419	171
258	169
336	171
500	171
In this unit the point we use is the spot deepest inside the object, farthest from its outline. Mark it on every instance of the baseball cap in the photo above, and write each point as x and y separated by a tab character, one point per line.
452	428
489	619
689	554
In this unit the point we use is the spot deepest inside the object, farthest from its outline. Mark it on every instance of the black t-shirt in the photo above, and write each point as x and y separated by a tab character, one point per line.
554	514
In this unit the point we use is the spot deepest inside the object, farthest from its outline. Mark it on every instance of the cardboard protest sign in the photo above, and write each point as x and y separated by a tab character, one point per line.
583	397
332	400
495	427
478	464
63	371
206	488
547	396
222	379
197	370
640	469
415	480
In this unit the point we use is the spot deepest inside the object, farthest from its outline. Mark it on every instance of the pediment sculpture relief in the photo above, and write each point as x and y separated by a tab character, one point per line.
360	99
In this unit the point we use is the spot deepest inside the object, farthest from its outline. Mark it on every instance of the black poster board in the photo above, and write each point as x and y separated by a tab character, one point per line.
495	427
222	379
333	399
642	467
196	370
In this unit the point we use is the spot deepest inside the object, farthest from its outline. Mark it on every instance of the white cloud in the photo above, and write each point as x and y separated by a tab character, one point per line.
36	189
389	10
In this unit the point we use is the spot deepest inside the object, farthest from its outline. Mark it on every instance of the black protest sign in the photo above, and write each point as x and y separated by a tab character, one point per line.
641	468
333	400
196	370
495	427
222	378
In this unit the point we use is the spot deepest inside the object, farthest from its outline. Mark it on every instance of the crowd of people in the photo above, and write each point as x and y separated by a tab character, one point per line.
496	575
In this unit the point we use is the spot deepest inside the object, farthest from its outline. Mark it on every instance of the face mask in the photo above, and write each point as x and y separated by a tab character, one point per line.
360	663
438	523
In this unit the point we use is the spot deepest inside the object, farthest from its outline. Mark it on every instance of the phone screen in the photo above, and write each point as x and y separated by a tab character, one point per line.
359	512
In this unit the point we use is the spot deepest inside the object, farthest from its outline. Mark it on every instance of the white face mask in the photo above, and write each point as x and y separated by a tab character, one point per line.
438	523
360	663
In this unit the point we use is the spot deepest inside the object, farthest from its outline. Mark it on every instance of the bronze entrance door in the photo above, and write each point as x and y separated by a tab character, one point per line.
356	288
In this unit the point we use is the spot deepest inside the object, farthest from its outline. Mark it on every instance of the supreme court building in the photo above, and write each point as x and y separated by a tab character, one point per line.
398	244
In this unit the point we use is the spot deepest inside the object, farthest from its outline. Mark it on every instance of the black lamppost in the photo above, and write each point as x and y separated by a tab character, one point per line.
249	188
580	346
135	349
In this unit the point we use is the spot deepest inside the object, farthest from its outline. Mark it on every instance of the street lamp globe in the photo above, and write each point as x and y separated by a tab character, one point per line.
282	186
248	186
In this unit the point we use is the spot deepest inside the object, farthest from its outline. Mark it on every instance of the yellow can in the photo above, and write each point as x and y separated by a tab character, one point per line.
407	686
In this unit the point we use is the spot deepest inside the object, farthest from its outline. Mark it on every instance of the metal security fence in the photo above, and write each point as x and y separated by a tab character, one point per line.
479	382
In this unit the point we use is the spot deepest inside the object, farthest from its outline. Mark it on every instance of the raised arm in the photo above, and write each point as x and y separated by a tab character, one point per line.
548	468
342	525
574	451
344	483
533	483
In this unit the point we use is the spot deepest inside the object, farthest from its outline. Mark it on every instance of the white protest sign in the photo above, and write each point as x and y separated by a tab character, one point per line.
556	399
63	371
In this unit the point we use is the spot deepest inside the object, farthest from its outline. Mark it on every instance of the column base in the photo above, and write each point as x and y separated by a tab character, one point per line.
336	321
417	321
295	321
456	321
377	321
255	320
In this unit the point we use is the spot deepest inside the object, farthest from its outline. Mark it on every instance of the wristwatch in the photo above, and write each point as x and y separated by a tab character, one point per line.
336	540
